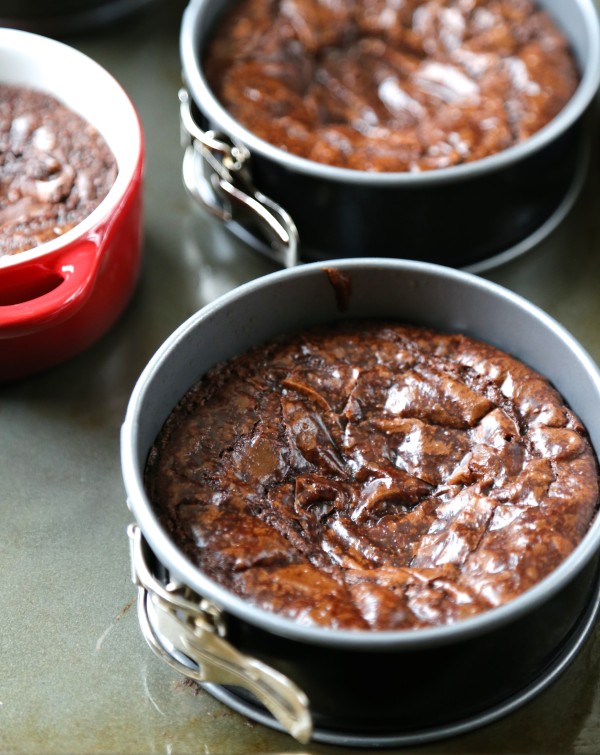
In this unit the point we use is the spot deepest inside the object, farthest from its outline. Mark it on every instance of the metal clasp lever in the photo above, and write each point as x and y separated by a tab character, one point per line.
174	620
215	174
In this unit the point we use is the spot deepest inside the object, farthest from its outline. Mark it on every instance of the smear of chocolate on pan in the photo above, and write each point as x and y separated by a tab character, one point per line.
342	286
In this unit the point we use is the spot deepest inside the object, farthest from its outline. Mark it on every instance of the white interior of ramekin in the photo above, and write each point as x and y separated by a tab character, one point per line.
577	18
429	294
81	84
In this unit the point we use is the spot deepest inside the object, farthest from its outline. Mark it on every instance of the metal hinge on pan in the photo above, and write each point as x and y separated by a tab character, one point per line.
177	622
215	174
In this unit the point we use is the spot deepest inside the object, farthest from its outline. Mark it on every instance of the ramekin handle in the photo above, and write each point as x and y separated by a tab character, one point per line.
47	290
215	174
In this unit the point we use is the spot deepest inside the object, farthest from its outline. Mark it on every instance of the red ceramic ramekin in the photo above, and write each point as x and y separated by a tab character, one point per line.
58	298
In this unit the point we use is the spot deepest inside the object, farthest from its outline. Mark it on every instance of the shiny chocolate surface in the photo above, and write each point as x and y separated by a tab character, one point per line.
374	476
55	168
387	86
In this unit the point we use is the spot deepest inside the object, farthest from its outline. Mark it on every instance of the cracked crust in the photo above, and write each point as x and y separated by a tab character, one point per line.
55	168
380	85
374	476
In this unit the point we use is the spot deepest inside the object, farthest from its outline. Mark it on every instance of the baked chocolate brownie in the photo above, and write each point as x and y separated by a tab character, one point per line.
374	476
381	85
55	168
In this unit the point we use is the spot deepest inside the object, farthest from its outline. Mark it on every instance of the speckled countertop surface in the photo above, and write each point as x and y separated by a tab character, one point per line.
75	673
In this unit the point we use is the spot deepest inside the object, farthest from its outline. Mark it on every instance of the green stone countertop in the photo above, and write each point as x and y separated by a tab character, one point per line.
75	673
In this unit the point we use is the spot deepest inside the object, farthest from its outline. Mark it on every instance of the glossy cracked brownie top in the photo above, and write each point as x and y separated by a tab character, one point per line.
374	476
381	85
55	168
